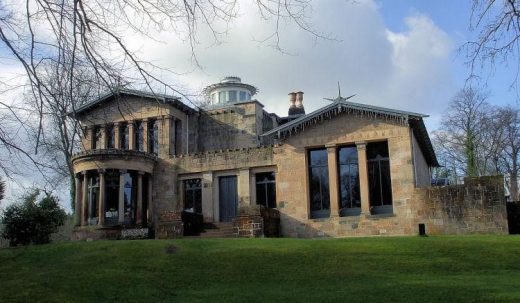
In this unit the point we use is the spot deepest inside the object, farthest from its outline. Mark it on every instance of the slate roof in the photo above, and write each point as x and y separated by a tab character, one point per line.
340	105
167	99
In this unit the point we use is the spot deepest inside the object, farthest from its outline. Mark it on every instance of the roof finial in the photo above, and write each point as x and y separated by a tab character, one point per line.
339	98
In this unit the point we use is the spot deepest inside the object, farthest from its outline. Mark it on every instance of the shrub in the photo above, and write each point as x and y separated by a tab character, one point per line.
31	221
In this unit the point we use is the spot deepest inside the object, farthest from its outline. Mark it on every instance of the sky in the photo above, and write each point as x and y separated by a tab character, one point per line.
401	54
398	54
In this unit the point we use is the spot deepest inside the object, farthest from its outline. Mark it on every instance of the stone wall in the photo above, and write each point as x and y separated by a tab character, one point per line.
236	126
477	207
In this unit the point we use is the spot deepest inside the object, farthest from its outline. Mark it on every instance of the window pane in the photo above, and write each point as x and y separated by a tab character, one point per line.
319	188
348	155
377	148
379	177
110	137
266	189
318	157
386	184
193	195
349	186
232	96
243	96
221	97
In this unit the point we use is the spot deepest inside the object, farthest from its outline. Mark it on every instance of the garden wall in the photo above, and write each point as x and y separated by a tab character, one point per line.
477	207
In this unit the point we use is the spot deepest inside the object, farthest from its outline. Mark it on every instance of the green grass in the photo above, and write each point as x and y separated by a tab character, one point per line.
403	269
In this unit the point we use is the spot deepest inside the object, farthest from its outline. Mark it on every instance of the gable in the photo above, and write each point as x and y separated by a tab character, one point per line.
372	114
124	102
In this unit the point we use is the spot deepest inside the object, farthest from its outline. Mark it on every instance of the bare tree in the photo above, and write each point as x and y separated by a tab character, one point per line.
75	36
510	155
460	138
497	24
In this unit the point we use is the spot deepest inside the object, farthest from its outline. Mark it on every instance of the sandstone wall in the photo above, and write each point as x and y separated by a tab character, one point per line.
477	207
292	178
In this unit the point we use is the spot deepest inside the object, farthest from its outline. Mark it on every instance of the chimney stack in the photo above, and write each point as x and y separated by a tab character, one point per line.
296	104
292	100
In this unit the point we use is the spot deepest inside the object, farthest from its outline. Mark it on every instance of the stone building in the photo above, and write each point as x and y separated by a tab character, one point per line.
346	169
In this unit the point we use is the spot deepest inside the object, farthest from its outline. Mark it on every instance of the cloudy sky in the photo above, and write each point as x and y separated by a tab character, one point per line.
401	54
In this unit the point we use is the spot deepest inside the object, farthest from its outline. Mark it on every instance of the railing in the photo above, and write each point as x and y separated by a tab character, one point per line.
114	152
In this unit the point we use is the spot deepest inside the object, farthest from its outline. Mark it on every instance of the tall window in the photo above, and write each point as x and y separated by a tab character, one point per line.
232	96
221	97
123	136
193	195
266	189
111	136
350	201
319	183
111	197
96	141
139	136
153	137
129	198
242	96
380	185
93	197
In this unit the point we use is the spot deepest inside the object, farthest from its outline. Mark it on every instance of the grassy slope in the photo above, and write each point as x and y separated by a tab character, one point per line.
411	269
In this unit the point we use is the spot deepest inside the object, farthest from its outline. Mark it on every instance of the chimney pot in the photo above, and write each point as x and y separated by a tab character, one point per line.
299	99
292	100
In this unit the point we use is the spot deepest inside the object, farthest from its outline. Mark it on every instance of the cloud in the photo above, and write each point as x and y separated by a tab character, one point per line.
409	70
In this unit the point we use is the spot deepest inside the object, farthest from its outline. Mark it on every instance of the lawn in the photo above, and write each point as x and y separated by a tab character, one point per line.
386	269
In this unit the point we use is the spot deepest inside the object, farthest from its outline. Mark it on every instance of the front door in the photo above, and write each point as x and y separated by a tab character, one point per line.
228	198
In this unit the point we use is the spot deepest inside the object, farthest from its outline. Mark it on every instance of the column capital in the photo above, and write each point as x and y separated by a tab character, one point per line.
101	170
145	120
122	171
361	145
84	173
330	145
116	124
141	173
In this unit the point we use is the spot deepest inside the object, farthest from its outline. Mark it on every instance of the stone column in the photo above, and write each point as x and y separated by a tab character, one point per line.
150	206
244	192
84	200
164	135
252	186
139	212
208	206
121	207
104	143
173	137
91	137
117	135
363	177
101	207
131	135
77	200
85	140
333	180
146	146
